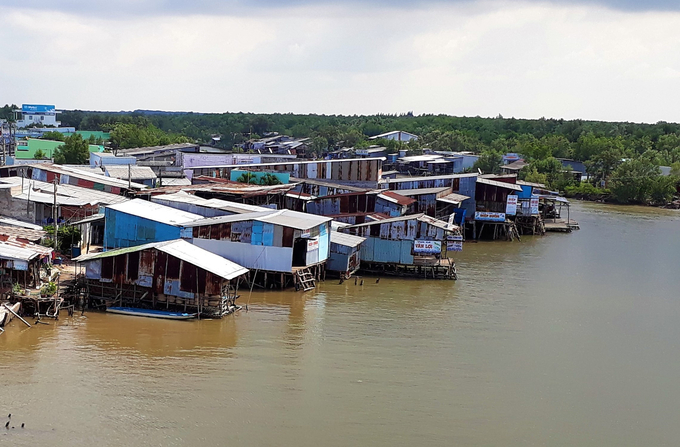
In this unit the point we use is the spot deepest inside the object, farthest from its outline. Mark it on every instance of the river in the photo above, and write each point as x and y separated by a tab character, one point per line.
567	339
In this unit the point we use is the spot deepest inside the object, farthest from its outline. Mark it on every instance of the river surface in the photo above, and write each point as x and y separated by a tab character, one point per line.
562	340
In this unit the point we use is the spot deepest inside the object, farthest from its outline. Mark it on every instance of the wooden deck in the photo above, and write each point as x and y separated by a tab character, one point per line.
561	225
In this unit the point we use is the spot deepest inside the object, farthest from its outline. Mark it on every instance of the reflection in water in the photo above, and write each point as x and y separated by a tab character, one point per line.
563	339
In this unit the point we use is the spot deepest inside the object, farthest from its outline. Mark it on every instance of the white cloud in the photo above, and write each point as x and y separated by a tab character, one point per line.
478	58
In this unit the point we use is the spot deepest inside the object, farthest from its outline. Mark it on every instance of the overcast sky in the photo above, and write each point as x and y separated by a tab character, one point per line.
616	60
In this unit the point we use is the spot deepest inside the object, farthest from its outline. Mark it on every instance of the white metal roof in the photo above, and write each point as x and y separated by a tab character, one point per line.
185	251
225	205
486	181
285	218
421	217
18	223
454	198
22	251
83	174
43	192
429	177
348	240
137	172
421	191
156	212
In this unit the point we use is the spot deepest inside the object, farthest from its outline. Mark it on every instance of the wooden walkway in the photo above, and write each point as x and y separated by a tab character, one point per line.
561	225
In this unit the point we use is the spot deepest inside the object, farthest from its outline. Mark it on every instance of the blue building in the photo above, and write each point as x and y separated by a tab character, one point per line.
140	222
414	244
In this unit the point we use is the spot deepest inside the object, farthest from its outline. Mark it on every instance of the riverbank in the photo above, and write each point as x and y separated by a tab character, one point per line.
569	337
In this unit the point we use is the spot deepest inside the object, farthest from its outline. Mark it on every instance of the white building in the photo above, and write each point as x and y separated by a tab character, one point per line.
398	135
45	115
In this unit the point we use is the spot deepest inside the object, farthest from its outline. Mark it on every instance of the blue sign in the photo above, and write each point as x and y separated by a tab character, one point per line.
37	108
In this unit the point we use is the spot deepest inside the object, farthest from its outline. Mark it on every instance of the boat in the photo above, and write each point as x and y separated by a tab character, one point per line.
150	313
5	315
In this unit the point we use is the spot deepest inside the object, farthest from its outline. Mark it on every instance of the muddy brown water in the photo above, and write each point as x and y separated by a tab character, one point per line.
567	339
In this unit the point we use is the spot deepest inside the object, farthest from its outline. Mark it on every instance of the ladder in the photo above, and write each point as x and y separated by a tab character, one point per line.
306	279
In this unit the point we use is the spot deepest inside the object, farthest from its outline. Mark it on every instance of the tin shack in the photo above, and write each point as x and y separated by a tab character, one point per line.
284	248
172	275
413	245
138	222
345	257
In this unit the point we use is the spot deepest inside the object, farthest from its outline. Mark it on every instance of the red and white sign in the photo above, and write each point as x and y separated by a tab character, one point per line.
511	205
312	244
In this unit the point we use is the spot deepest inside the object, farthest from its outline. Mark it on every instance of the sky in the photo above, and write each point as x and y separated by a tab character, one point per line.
613	60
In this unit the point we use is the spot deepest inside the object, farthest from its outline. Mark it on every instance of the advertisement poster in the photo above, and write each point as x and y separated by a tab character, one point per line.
489	216
534	205
312	244
511	205
427	246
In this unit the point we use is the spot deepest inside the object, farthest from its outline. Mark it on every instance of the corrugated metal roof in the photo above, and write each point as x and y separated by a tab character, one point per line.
22	251
156	212
305	162
348	240
75	172
511	186
225	205
428	177
454	198
532	184
152	149
137	172
286	218
43	192
185	251
422	191
397	197
23	233
8	221
421	217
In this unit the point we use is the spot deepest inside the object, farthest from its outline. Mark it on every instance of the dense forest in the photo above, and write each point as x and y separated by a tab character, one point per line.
622	156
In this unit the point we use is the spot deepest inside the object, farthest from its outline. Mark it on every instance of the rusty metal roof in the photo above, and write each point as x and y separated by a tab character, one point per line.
397	197
23	233
183	250
13	248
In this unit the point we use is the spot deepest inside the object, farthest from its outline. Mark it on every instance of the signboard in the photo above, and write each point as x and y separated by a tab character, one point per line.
306	233
37	108
427	247
312	244
489	216
511	205
454	245
534	205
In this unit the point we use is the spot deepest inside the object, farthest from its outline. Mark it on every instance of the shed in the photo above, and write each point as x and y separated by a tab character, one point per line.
275	241
164	274
138	222
345	255
406	242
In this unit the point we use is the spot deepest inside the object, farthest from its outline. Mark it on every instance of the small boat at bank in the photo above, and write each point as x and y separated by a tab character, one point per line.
149	313
5	315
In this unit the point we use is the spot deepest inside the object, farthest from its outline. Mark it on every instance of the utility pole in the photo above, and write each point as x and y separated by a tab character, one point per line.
55	215
129	177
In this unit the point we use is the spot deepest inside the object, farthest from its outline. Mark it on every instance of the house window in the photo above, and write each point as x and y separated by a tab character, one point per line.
42	118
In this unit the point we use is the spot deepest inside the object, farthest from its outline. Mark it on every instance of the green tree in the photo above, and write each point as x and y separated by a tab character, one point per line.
53	135
489	162
39	155
639	181
74	151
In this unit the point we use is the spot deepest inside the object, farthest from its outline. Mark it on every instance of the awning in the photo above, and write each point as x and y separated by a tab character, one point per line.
453	198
